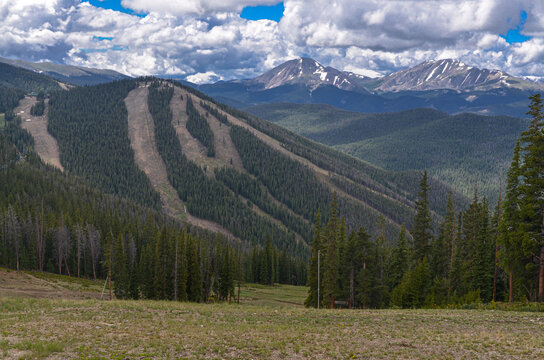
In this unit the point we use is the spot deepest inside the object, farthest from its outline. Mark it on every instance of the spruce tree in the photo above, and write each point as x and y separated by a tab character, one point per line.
194	278
120	274
532	203
331	256
399	259
163	270
311	299
422	232
510	255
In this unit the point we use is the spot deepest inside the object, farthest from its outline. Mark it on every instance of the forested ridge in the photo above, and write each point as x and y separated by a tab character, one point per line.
90	125
26	80
204	196
50	221
386	193
417	139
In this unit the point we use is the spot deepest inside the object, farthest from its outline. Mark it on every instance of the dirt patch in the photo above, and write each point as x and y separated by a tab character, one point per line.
142	139
45	145
191	147
23	284
225	151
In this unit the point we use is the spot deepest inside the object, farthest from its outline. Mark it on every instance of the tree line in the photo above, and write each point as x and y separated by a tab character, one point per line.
53	222
476	255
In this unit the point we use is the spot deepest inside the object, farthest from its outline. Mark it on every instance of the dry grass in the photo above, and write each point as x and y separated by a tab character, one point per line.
270	323
32	284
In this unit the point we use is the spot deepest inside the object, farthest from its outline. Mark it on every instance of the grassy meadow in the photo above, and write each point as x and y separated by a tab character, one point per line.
269	323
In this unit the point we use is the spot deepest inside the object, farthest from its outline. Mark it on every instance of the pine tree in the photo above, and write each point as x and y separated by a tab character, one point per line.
510	237
330	265
194	277
366	272
120	274
422	232
312	300
532	203
182	267
163	271
399	259
226	275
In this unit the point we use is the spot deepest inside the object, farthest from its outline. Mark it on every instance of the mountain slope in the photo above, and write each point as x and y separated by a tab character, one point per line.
68	73
450	74
28	81
261	180
460	150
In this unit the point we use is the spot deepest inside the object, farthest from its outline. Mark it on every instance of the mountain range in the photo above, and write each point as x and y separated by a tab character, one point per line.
447	85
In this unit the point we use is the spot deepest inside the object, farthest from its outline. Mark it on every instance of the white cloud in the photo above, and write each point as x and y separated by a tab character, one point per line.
207	40
204	78
192	7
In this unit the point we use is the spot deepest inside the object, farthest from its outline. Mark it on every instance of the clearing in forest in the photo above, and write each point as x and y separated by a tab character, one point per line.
45	145
39	328
141	131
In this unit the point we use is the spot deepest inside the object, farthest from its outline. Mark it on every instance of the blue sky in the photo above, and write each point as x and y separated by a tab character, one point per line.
514	35
274	12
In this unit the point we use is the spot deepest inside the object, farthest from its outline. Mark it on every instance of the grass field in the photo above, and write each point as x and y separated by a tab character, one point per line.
270	323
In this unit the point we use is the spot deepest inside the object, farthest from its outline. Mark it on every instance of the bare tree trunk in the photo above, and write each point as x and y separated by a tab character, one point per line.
66	266
510	287
541	275
59	256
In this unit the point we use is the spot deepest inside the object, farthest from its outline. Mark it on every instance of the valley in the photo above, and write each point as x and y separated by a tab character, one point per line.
464	150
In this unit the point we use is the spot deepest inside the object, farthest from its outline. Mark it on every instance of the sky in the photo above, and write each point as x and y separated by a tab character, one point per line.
210	40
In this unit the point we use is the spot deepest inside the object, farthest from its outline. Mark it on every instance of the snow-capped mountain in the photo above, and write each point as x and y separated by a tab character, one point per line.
449	74
308	72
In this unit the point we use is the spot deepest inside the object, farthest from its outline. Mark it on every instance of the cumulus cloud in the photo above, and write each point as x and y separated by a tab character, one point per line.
206	40
192	7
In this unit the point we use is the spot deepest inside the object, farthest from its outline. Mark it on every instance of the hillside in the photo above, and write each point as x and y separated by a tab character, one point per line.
70	74
461	150
221	168
26	80
450	74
